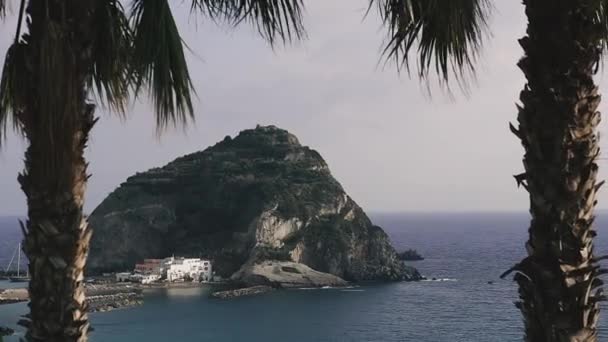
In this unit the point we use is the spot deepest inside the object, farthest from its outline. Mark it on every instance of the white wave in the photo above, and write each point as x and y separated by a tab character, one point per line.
440	279
327	288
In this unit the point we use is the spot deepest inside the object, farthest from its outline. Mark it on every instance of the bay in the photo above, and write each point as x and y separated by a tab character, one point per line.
464	252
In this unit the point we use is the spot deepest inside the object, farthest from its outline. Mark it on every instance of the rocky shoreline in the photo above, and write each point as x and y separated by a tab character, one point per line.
284	274
241	292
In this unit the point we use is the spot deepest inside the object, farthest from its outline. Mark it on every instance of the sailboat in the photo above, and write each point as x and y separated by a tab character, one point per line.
6	272
19	278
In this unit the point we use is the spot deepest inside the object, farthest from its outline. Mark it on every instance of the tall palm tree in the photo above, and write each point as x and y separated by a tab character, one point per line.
72	52
558	281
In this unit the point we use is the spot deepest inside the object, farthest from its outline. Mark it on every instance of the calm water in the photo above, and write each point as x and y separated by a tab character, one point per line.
465	251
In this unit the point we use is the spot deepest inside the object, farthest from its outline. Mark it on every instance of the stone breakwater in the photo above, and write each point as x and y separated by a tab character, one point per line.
99	297
108	299
248	291
11	296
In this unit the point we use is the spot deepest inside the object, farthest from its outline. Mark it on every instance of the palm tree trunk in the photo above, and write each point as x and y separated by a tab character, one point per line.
57	121
57	238
558	120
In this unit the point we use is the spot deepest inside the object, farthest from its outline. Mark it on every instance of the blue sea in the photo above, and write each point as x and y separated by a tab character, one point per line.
464	252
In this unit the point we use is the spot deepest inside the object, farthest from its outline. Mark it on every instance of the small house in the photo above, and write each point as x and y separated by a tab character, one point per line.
123	277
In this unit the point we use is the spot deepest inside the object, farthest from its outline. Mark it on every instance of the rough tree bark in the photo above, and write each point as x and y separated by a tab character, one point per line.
57	240
558	281
56	121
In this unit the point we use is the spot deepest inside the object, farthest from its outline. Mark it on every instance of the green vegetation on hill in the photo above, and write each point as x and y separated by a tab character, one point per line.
259	196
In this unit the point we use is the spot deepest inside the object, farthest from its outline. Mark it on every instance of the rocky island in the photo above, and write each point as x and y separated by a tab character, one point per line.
263	207
410	255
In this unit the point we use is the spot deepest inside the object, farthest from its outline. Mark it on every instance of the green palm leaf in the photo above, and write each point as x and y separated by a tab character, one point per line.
13	89
158	62
274	19
12	83
601	10
447	34
109	79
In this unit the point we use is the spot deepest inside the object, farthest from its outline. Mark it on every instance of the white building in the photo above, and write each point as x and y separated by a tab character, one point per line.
180	269
123	276
206	272
145	278
137	277
165	265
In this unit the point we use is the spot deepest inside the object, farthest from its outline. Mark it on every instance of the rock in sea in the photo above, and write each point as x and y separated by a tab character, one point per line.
410	255
6	331
247	201
248	291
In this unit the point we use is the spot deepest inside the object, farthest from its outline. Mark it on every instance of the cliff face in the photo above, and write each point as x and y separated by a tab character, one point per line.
260	197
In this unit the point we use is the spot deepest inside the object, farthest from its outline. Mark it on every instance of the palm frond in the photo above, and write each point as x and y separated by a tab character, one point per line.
158	62
601	17
275	20
13	88
3	8
110	77
447	35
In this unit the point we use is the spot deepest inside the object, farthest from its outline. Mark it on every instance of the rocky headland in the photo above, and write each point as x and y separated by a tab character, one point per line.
263	207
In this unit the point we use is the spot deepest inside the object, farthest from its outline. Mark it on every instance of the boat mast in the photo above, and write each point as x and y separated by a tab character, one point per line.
8	268
19	260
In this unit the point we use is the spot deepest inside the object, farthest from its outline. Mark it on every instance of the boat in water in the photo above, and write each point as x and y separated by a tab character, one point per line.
19	277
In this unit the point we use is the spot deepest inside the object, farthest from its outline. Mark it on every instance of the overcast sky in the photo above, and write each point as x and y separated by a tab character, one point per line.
391	146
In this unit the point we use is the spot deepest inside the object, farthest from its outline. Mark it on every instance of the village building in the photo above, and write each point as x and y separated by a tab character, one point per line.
149	266
171	269
180	269
123	276
145	278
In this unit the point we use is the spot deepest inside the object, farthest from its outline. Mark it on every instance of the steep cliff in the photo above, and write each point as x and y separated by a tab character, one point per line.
258	198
